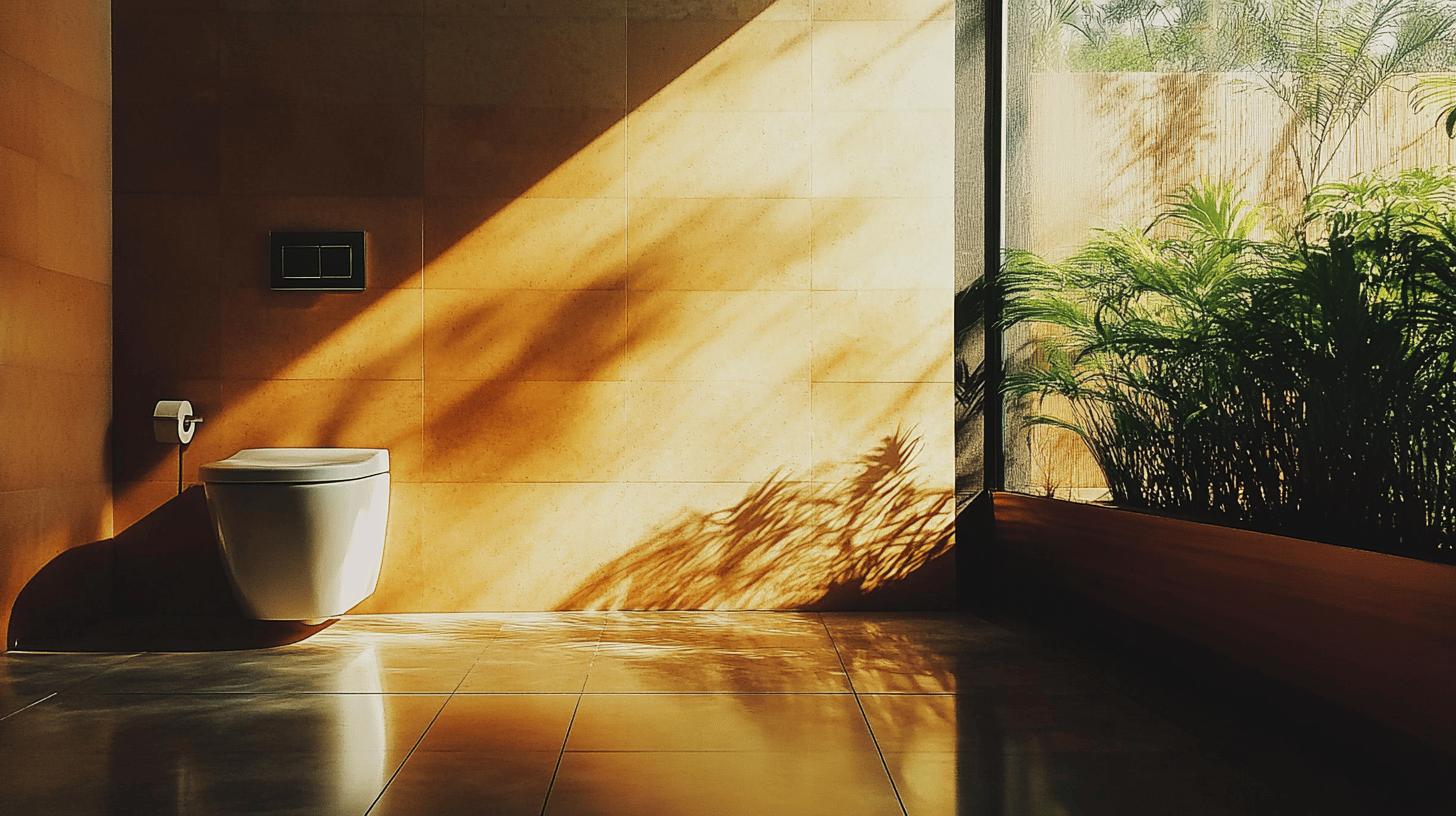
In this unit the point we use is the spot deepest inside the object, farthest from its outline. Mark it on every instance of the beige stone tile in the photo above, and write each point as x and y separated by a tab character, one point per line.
717	431
722	784
718	336
809	723
53	321
172	336
510	546
188	161
69	41
522	151
884	65
300	335
883	9
701	65
166	243
554	9
525	243
322	57
321	149
533	431
38	406
884	153
741	10
718	244
321	413
165	55
883	243
20	203
512	334
403	586
734	155
851	420
18	87
73	132
530	62
74	226
392	257
134	501
890	336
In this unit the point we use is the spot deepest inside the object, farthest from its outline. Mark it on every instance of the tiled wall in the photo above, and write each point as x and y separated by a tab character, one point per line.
629	261
55	283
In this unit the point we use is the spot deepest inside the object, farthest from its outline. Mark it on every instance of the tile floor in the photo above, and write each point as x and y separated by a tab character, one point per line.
622	713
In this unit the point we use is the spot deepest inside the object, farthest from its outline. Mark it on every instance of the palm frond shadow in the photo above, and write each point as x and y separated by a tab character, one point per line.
787	543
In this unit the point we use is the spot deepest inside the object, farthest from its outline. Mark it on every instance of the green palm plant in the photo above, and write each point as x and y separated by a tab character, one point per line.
1324	60
1305	385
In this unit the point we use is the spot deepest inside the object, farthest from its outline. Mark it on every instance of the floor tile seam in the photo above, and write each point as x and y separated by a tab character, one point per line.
870	729
424	733
566	738
28	706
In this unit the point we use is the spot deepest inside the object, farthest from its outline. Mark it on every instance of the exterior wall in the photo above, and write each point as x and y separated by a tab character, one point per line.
629	261
55	283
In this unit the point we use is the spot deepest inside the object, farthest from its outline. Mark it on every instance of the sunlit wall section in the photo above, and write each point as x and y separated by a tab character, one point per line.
660	309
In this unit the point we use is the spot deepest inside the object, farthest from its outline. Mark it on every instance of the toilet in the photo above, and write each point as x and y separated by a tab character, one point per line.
301	529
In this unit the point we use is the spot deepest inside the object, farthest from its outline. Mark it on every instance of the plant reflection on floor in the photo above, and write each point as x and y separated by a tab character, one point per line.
787	543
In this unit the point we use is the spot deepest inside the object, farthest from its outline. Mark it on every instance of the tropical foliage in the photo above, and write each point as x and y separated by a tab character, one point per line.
1303	381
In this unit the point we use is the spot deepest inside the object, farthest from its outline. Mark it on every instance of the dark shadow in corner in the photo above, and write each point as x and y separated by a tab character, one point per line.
160	585
875	540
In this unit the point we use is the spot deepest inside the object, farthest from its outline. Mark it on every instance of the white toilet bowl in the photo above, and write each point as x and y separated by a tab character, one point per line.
301	529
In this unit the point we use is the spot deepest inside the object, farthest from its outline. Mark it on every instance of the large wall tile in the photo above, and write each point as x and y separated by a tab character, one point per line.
54	322
19	130
884	9
731	155
852	419
525	62
718	66
163	57
883	243
741	10
19	204
890	336
760	337
513	334
179	335
509	152
308	335
319	149
718	244
73	130
525	243
186	161
322	58
392	225
502	431
514	546
74	229
52	428
716	431
68	40
884	65
883	153
323	413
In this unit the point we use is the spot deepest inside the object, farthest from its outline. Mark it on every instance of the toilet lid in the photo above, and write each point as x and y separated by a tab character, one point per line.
297	465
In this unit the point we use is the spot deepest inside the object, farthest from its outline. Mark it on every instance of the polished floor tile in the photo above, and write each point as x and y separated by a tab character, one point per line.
468	783
719	722
831	783
655	713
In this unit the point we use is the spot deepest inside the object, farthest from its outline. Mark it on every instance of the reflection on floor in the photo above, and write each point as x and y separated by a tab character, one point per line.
633	713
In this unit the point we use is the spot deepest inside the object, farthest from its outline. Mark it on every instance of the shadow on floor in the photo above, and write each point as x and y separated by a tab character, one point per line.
159	585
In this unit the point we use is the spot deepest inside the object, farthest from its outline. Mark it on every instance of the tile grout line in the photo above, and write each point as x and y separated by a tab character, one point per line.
560	757
859	704
29	706
433	720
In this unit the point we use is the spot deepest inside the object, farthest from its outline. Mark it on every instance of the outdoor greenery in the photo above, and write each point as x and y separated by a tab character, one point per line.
1302	380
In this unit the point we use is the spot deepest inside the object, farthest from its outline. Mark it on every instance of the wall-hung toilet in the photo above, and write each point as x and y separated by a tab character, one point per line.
301	529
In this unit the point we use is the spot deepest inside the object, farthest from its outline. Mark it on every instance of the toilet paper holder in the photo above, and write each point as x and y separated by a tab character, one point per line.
175	423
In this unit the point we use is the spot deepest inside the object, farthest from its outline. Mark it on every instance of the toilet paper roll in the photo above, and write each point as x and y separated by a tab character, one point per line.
172	422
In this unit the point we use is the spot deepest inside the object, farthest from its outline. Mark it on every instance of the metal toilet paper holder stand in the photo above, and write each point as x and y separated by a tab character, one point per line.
174	423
